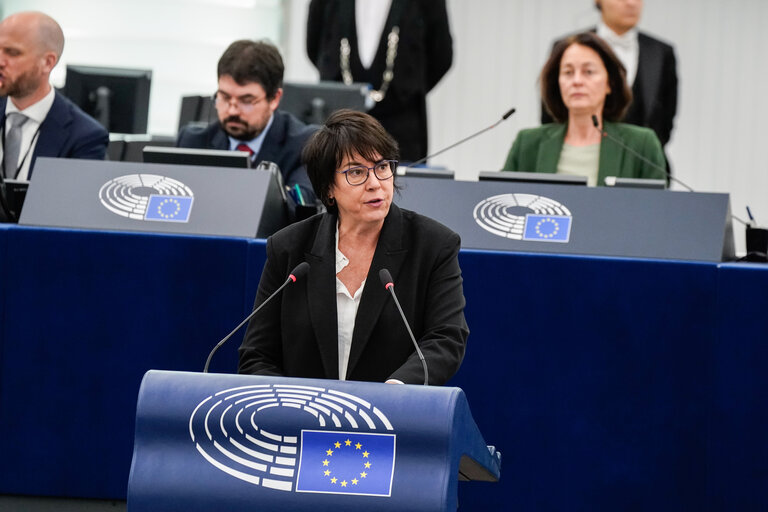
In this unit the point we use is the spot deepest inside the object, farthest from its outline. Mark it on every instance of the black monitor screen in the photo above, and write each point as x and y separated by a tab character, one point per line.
533	177
117	98
192	156
313	103
13	193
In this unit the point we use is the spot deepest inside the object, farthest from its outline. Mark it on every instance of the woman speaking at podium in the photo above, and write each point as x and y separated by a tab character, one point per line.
584	88
340	322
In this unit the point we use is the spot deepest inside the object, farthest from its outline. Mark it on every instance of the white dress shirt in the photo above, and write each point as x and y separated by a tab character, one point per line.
346	311
625	46
36	114
370	20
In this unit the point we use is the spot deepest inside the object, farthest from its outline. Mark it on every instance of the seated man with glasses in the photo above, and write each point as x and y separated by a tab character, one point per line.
250	79
341	322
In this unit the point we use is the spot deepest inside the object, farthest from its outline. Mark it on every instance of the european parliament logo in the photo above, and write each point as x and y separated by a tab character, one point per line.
527	217
346	463
297	439
147	197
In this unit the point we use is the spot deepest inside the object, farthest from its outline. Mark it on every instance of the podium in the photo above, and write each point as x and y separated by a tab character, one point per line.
210	442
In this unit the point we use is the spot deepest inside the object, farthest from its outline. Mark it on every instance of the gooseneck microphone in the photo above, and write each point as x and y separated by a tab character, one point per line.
386	280
637	155
297	273
462	141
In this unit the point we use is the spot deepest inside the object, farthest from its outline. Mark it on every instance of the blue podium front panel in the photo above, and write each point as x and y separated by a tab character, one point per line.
208	442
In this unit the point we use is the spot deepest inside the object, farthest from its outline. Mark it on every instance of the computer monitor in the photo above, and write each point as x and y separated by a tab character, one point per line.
614	181
197	109
135	144
533	177
427	172
118	98
190	156
313	103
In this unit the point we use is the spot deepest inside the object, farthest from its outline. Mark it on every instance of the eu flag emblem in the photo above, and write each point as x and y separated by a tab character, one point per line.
169	208
547	228
346	463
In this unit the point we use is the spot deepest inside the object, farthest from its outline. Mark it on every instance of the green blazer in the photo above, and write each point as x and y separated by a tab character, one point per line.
538	150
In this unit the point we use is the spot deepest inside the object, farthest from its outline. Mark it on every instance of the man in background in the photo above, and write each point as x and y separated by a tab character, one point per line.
35	119
402	48
250	80
650	64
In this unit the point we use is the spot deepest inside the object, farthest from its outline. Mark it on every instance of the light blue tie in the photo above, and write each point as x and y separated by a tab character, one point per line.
12	147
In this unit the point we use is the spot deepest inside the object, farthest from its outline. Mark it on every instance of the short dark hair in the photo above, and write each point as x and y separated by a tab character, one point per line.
253	61
344	133
617	101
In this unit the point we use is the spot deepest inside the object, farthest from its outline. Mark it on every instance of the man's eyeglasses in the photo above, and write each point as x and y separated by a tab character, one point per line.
358	174
243	104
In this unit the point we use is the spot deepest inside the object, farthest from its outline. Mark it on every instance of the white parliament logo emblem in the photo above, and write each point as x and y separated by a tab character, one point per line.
226	430
505	215
130	196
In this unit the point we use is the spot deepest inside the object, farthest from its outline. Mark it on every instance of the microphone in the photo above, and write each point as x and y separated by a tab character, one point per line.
621	143
462	141
661	169
386	280
297	273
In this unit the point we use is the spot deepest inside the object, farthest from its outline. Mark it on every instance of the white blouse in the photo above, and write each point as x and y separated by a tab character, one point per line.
346	311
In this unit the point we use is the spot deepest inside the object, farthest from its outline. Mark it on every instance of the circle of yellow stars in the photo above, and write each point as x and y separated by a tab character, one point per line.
548	220
354	481
168	201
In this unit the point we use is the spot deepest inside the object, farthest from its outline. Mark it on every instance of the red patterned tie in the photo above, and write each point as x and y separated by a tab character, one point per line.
244	147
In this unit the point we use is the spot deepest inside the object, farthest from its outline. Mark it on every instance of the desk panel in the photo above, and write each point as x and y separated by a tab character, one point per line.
589	375
86	315
738	458
607	384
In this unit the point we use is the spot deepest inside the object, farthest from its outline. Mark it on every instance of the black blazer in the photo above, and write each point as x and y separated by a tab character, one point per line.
424	55
655	89
67	132
282	145
296	334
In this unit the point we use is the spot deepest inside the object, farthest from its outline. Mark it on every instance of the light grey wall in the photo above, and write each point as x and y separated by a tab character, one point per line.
500	45
179	40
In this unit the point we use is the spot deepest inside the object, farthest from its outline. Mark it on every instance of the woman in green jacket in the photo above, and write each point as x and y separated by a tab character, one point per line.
584	83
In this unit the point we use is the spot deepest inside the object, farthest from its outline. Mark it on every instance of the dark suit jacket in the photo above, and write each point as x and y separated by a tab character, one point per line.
424	55
282	145
654	91
67	132
297	335
538	150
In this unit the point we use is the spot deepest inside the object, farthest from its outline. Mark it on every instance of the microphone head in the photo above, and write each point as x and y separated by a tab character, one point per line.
386	278
300	271
509	113
595	121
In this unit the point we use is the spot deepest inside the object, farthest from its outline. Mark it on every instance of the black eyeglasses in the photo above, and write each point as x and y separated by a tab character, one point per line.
358	174
243	104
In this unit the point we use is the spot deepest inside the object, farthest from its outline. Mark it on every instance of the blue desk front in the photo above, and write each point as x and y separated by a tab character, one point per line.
608	384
